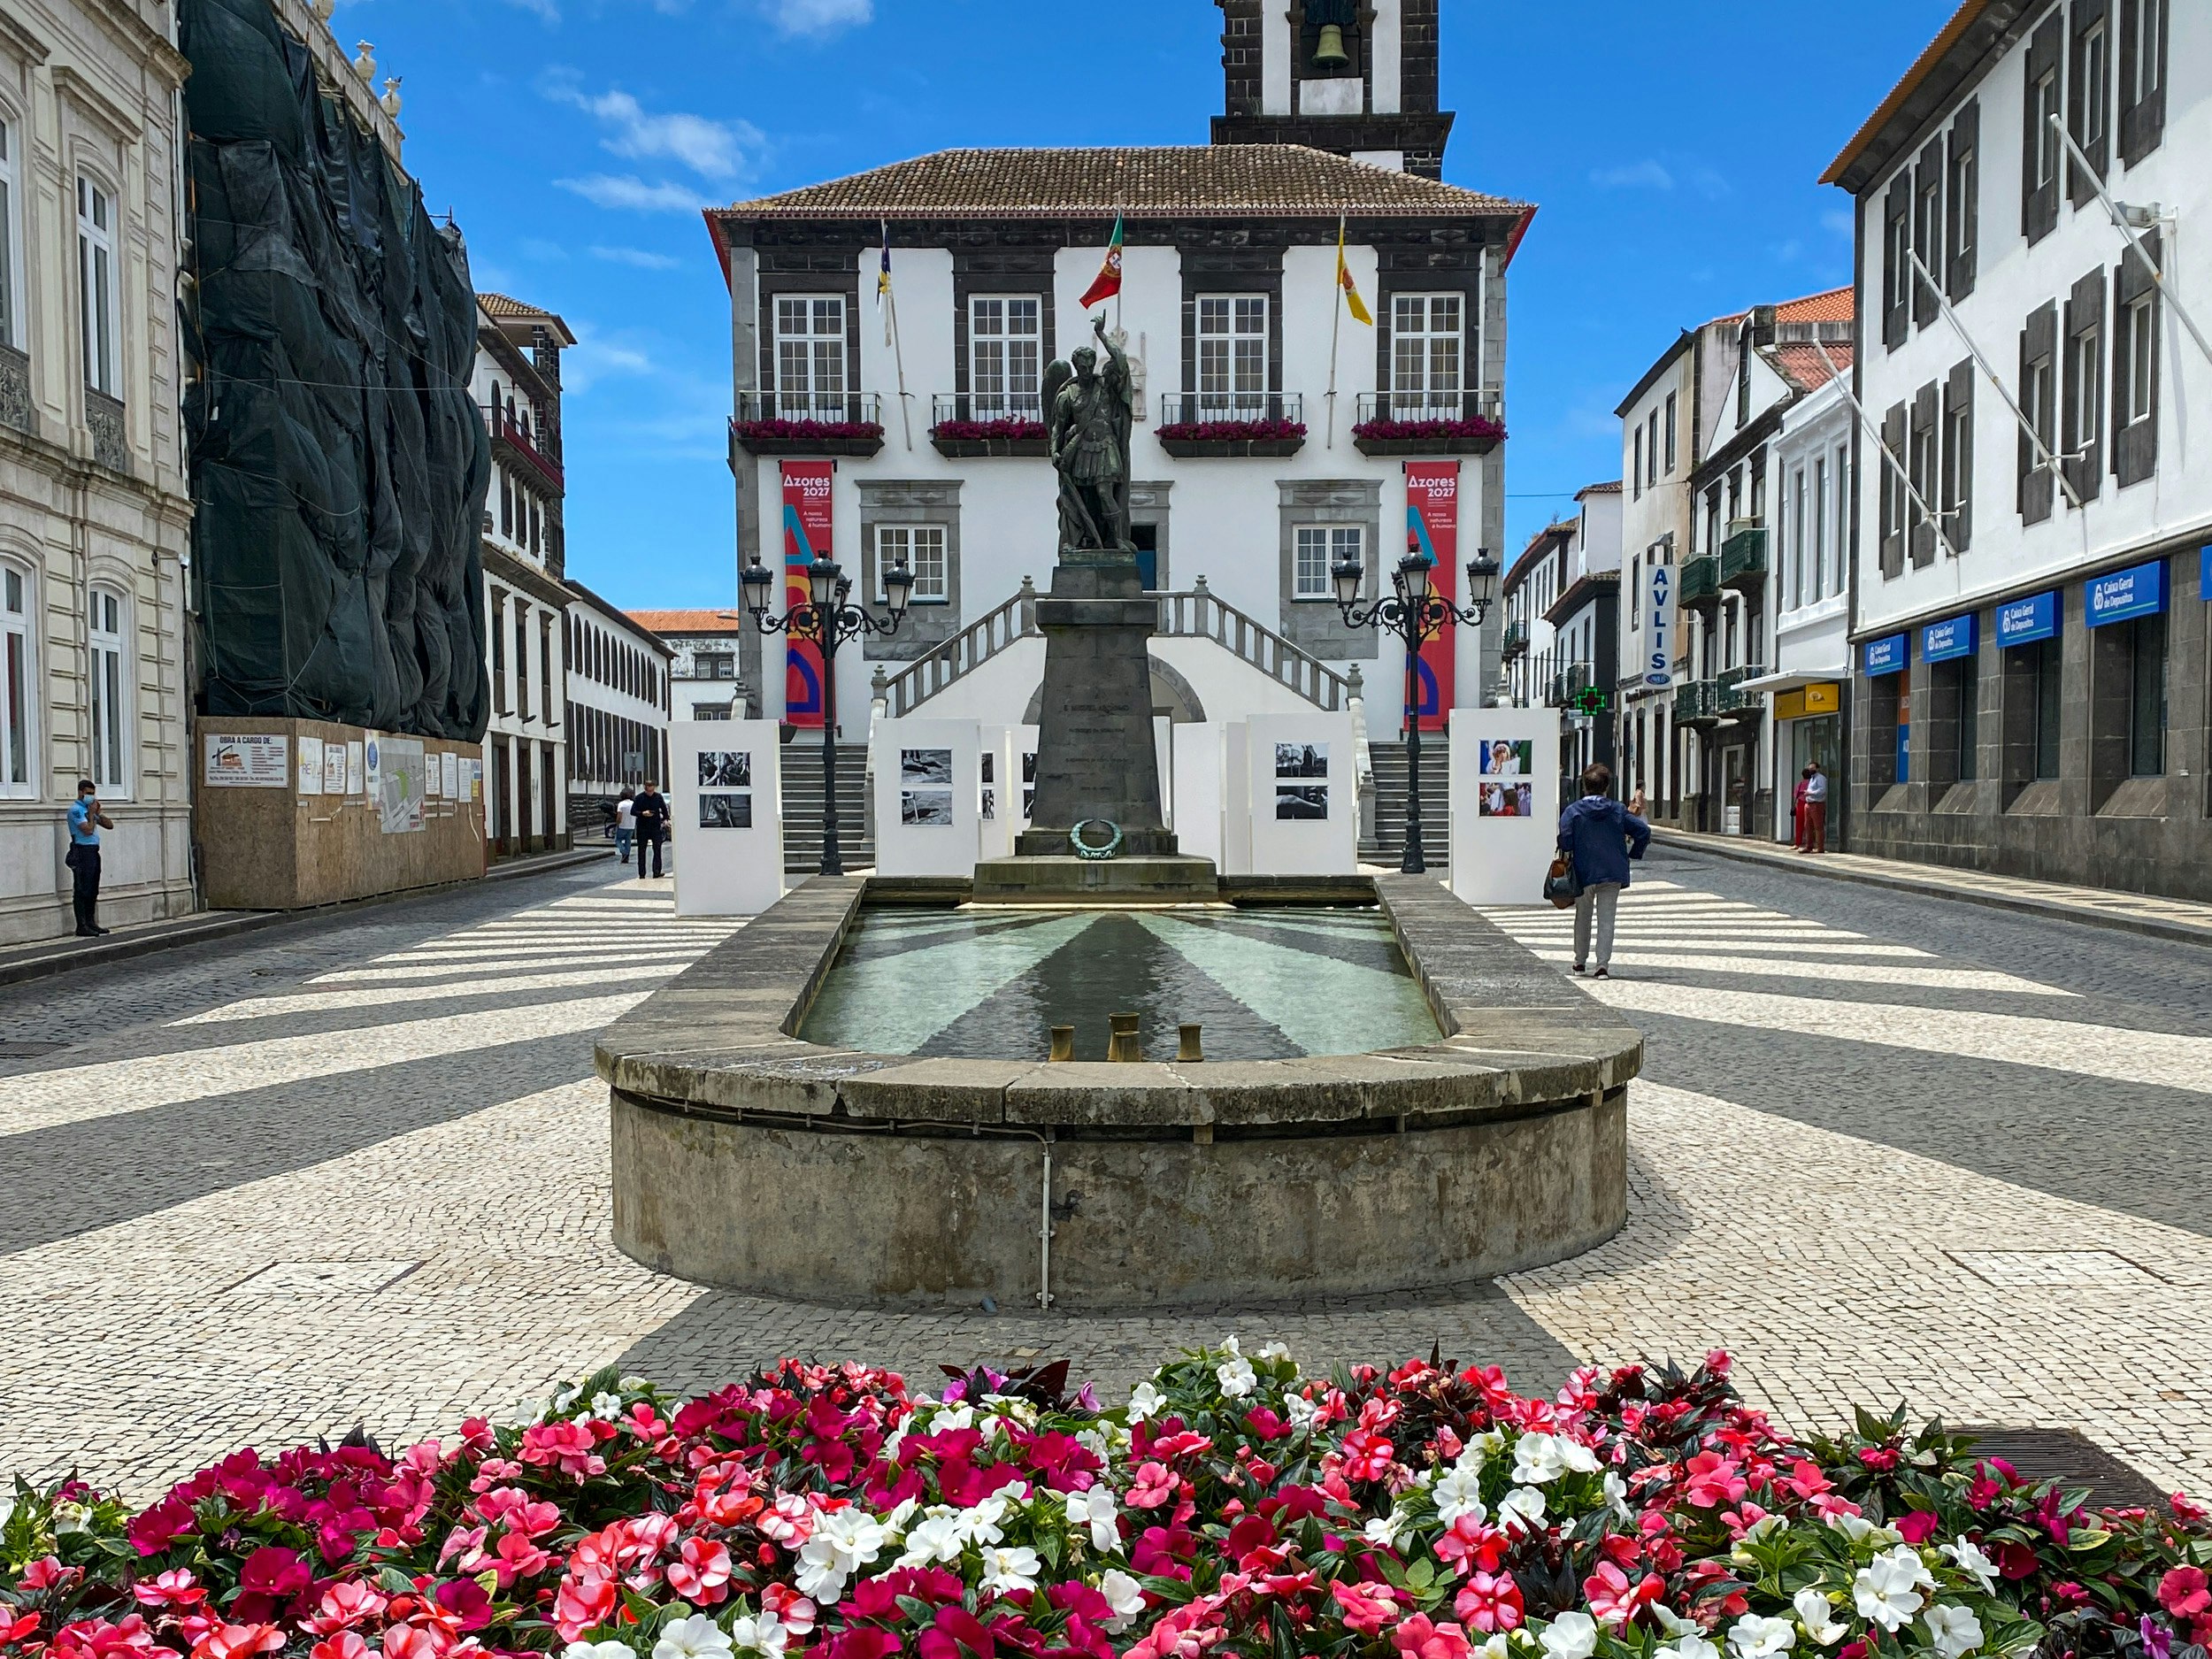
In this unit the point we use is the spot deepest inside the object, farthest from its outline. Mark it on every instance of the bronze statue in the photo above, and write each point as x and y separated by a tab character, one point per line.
1088	414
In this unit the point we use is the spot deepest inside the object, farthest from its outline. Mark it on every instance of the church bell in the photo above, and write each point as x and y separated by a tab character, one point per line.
1328	52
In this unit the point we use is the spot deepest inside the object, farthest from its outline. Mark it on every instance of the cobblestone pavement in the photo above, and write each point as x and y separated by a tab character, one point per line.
357	1171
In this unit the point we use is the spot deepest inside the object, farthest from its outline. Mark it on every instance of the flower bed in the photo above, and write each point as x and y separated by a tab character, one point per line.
1231	431
781	436
1477	434
1233	1506
1009	428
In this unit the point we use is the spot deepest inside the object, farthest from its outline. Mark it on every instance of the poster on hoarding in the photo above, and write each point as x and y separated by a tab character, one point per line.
248	760
806	531
311	765
1432	528
399	800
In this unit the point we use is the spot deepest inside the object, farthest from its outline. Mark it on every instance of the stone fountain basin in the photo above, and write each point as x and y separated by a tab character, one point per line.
749	1159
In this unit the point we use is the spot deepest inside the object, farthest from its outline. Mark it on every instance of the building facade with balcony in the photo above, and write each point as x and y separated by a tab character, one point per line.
1584	619
618	709
1537	577
704	647
2030	626
517	385
95	510
1274	433
1723	594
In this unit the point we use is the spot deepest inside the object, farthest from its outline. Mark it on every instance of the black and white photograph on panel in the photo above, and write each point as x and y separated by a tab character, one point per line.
1302	760
925	767
726	812
725	769
925	809
1303	801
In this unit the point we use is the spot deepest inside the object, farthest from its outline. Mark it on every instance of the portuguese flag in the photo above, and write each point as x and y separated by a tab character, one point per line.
1109	280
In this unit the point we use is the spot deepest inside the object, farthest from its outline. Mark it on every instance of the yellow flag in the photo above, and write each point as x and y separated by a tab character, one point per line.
1352	300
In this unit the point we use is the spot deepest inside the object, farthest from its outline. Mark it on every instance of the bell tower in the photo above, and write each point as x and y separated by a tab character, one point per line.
1356	77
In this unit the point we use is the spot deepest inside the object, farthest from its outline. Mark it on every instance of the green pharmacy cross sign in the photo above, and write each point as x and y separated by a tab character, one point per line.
1590	700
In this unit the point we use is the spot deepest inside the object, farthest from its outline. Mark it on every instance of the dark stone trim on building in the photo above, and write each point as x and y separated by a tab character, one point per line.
933	501
811	266
1315	626
987	261
1254	270
1149	509
1442	267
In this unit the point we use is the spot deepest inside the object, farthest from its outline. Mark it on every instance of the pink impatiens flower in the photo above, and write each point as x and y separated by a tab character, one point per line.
2184	1593
1416	1638
1713	1481
1491	1602
1365	1608
1154	1486
701	1575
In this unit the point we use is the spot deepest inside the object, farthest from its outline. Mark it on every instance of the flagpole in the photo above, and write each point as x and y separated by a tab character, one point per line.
1336	327
898	347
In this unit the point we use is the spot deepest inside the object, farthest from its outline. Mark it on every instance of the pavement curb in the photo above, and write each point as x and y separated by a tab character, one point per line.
2052	909
67	956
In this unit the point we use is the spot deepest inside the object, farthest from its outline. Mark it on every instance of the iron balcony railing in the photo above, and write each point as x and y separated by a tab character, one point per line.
1696	700
1193	409
1743	556
986	406
1515	638
1700	580
1482	403
824	408
1734	699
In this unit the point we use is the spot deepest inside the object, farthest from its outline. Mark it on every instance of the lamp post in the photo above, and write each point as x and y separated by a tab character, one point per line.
1415	611
829	621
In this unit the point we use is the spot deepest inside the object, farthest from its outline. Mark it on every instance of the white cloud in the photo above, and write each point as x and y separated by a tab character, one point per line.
1838	220
713	149
819	17
1640	175
637	256
628	192
544	10
595	358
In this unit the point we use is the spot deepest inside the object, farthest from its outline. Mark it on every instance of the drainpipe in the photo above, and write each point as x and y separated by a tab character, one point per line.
1044	1219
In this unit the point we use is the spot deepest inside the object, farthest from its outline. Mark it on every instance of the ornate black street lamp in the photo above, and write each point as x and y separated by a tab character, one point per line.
829	621
1415	611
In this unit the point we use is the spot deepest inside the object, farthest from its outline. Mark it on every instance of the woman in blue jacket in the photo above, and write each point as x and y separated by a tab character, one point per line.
1599	836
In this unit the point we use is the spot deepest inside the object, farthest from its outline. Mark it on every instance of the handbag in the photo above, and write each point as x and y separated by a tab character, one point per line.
1560	886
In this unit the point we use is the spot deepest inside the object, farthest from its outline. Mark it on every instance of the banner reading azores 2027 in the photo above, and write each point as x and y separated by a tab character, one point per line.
806	531
1433	524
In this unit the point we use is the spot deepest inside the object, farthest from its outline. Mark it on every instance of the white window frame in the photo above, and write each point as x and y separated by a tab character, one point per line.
810	356
1797	539
10	232
1428	351
109	700
99	287
2048	97
19	681
2096	103
1232	334
2139	337
2085	385
1331	544
1005	355
926	549
1839	543
2142	72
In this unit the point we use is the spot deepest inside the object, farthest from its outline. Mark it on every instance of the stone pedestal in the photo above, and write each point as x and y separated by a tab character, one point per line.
1096	756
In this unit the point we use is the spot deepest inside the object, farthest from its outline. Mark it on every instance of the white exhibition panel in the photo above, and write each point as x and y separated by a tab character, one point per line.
1005	786
1236	799
1197	764
928	796
726	796
1303	790
1504	803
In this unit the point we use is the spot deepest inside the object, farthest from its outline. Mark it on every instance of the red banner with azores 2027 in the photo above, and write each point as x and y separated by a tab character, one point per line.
806	531
1432	527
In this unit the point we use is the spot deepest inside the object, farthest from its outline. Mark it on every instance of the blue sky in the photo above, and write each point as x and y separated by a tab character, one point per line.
1672	147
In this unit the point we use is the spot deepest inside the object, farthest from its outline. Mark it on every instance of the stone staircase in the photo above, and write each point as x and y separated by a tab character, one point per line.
802	805
1385	842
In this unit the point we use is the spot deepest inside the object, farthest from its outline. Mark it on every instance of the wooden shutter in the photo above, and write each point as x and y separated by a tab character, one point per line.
2038	342
1897	272
2142	117
1924	476
1927	230
2080	185
1958	459
2135	445
2039	206
1962	211
2084	449
1893	498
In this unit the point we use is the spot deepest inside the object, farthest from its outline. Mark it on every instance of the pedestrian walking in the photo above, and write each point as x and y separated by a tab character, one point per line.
1816	810
1599	836
624	822
650	808
86	821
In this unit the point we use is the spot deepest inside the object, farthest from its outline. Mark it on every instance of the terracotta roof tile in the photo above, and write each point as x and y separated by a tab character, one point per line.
667	622
501	308
1210	180
1832	306
1610	488
1801	365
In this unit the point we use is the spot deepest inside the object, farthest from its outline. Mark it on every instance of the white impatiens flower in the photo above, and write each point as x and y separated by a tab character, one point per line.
1521	1510
1387	1532
694	1637
1008	1570
1753	1637
599	1650
1300	1412
606	1405
979	1522
1095	1509
1967	1556
1539	1457
1236	1378
1124	1595
843	1542
1887	1588
1459	1492
935	1538
1818	1614
1955	1630
1275	1351
1144	1401
1616	1495
1571	1636
762	1632
1854	1527
945	1419
1688	1644
1491	1647
1096	1442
